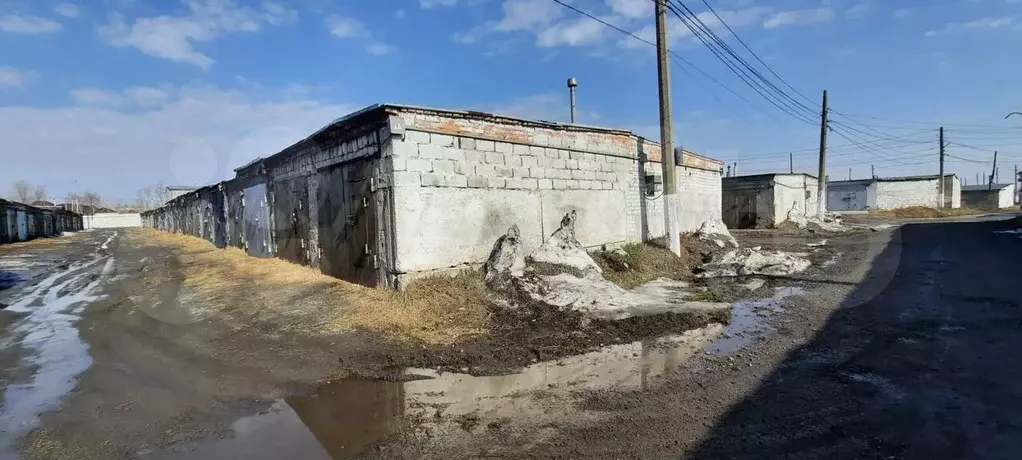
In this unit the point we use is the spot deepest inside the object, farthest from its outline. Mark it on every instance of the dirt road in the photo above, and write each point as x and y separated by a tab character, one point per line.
894	344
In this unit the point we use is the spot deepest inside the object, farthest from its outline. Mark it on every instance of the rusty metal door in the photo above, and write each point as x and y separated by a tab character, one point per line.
291	219
347	223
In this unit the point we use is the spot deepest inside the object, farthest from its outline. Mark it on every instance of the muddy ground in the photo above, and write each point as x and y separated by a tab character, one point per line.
165	378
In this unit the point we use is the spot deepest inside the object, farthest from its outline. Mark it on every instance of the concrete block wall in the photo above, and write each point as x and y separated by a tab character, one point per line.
903	194
460	183
794	191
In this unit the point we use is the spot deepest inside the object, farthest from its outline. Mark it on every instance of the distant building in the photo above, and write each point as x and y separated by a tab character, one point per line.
42	203
997	196
893	193
175	191
765	200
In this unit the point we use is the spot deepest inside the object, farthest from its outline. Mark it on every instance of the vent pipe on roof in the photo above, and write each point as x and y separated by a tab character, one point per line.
572	84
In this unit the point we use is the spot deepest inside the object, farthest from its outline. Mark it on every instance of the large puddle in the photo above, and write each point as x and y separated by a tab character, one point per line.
54	352
345	417
750	320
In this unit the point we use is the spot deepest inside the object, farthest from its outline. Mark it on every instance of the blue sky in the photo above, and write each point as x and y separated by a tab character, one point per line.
116	95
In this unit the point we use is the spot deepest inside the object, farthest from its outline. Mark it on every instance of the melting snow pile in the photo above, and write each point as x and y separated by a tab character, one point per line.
753	261
831	222
590	294
716	232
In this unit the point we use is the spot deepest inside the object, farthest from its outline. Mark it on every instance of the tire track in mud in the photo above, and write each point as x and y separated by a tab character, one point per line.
46	331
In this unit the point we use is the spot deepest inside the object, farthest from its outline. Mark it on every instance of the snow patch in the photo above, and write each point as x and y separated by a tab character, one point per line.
753	261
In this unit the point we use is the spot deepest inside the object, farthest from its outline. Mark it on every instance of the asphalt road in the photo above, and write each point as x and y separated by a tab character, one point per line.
929	366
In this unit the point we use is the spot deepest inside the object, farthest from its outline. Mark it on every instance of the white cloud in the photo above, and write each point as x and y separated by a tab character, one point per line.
13	78
799	17
68	10
208	130
632	8
175	37
858	10
400	13
527	14
429	4
902	13
96	96
28	25
379	48
978	24
581	31
341	26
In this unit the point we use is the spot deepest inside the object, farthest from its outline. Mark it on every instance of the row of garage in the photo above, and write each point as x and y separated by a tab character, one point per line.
21	222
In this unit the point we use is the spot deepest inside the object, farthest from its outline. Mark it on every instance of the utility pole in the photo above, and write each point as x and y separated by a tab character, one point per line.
728	171
791	164
940	181
873	171
849	173
672	226
572	84
821	193
990	185
734	170
1015	181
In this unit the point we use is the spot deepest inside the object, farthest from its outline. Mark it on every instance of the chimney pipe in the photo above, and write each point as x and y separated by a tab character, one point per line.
572	84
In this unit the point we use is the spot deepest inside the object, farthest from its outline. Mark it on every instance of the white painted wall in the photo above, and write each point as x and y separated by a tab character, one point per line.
1006	197
112	220
793	191
455	194
904	194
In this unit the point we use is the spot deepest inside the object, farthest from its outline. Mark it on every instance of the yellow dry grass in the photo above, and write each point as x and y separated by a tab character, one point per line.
41	243
436	310
923	212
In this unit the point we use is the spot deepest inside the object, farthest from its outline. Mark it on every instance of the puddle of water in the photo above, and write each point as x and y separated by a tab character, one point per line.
9	279
53	346
750	320
346	417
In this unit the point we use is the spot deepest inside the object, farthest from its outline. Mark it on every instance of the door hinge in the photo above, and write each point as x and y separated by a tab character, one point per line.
365	202
372	184
366	251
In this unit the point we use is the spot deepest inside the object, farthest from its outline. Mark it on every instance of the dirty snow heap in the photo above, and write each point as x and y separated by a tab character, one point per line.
753	261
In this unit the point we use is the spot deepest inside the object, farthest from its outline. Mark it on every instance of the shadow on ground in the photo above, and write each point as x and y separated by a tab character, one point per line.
920	361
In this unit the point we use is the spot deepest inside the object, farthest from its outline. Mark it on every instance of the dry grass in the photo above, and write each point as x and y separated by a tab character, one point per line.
922	212
436	310
645	262
40	243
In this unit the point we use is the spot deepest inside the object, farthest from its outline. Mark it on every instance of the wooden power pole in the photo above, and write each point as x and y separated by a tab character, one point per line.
940	181
990	184
791	164
672	226
821	192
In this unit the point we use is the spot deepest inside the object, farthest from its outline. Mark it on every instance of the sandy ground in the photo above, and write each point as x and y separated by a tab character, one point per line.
169	348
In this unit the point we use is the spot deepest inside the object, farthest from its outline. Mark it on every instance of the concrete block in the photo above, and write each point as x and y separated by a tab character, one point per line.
452	153
406	179
577	174
503	171
529	162
416	137
503	147
514	160
585	184
585	165
558	184
520	172
513	184
544	162
564	154
431	151
545	184
589	175
537	150
551	153
484	146
571	164
463	167
562	173
419	165
443	140
605	185
531	184
495	158
520	149
466	143
433	180
496	182
443	166
558	163
572	184
473	156
537	172
457	181
476	181
575	155
484	170
541	139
